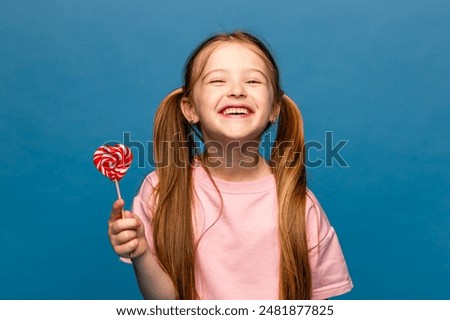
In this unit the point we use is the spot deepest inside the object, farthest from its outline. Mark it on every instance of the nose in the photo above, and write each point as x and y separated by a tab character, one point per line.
237	91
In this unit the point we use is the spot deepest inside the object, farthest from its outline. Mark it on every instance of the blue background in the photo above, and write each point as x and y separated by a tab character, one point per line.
76	74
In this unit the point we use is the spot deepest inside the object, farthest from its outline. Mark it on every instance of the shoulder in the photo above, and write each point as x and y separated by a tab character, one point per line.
148	185
314	210
317	224
144	201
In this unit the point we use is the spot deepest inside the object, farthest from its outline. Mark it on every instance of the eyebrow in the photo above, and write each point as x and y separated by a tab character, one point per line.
212	71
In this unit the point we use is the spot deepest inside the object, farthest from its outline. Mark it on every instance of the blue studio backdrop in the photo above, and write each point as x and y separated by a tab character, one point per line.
76	74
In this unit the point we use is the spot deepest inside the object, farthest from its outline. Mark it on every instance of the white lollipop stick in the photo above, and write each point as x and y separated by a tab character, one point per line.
118	189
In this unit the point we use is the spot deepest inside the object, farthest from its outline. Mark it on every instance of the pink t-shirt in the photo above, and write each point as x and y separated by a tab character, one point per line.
238	254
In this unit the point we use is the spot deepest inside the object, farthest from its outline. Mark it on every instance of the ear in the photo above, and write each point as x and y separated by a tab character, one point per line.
275	112
188	110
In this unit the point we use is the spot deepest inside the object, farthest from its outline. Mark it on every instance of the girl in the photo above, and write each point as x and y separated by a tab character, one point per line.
228	224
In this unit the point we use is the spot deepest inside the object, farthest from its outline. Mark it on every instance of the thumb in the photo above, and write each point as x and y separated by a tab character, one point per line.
116	212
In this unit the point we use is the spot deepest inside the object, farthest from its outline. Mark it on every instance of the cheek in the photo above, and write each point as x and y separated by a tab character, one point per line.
206	97
268	98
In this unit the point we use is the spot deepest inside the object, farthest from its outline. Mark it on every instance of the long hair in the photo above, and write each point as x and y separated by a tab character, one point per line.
174	146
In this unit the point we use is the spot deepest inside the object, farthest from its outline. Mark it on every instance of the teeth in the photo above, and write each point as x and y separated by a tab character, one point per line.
236	111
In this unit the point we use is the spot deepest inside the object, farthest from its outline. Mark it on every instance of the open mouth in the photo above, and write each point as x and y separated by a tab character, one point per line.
235	110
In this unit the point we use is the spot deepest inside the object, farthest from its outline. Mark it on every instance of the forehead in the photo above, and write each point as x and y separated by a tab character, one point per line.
231	55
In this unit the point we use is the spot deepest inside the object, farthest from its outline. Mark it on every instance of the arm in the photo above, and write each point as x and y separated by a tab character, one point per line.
127	237
153	282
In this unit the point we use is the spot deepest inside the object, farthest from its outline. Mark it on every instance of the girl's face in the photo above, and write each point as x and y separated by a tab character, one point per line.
233	98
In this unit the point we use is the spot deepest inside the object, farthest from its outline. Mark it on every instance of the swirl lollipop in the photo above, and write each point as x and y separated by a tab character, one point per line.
113	162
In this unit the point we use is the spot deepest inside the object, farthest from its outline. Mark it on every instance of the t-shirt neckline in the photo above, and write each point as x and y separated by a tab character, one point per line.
254	186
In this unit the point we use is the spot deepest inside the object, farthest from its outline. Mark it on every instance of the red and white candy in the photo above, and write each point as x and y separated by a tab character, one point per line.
113	161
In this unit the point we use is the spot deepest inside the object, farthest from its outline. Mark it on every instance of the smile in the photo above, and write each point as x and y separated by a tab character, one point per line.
235	110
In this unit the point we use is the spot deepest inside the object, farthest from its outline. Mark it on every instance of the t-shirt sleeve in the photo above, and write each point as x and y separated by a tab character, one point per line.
143	206
329	272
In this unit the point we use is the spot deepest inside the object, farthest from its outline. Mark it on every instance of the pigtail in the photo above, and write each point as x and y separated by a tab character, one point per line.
172	221
287	159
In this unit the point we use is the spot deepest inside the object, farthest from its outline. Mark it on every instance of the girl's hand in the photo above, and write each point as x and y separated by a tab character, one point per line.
127	236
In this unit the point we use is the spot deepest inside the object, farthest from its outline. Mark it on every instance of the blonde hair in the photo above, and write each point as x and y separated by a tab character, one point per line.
173	233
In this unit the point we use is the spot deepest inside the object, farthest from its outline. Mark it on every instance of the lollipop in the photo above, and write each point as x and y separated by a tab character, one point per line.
113	162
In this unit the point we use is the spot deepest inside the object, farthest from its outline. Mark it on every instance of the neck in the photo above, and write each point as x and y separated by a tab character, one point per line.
236	161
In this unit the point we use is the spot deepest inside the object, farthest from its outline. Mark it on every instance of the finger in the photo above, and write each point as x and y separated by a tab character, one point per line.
123	237
121	225
128	214
116	212
140	226
125	249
